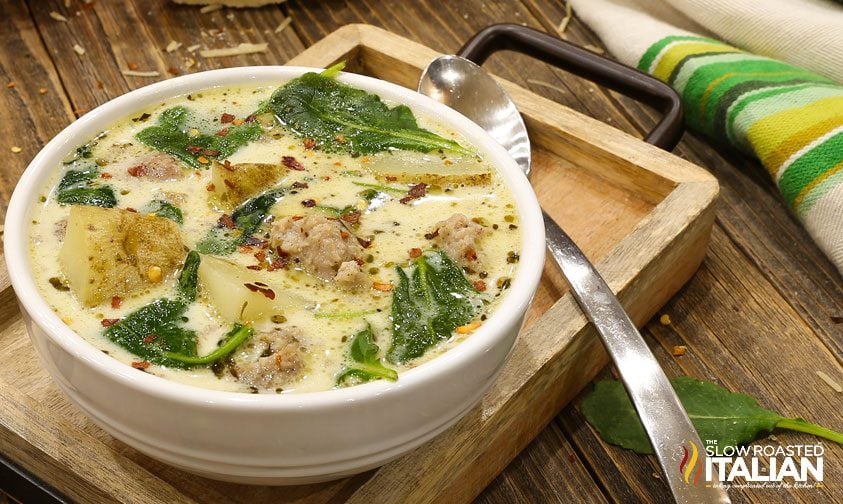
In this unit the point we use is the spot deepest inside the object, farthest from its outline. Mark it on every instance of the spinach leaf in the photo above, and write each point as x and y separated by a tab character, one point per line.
247	218
153	329
428	305
101	196
237	335
365	362
729	418
78	178
345	119
163	209
80	187
170	135
156	328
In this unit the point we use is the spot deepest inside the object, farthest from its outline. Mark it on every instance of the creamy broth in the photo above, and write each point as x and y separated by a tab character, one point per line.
316	318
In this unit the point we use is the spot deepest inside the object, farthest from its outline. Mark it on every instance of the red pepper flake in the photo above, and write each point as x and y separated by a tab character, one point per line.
203	160
116	302
471	254
415	192
108	322
227	118
237	122
432	235
309	143
326	178
254	267
130	209
415	252
211	187
291	163
351	217
226	221
137	171
260	255
364	243
383	287
227	165
391	178
244	249
229	184
140	365
344	235
250	118
105	175
309	203
193	149
222	133
297	217
149	339
300	185
479	285
211	152
266	291
360	262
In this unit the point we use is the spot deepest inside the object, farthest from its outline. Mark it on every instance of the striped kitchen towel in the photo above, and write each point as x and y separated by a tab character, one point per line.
789	117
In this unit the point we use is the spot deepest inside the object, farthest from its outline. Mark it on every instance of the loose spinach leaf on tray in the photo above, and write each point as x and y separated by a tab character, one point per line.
172	135
428	304
729	418
156	331
346	119
247	218
365	362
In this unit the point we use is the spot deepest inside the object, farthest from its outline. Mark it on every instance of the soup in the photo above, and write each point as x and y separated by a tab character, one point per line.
275	239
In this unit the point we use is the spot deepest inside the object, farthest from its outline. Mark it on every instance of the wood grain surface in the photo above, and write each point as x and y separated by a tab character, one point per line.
761	315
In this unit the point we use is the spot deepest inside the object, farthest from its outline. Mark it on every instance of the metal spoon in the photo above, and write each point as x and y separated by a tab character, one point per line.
467	88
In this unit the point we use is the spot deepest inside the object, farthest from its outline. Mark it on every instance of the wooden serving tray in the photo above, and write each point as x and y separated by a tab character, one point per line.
642	214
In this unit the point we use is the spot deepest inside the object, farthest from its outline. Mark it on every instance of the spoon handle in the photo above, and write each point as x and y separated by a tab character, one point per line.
668	426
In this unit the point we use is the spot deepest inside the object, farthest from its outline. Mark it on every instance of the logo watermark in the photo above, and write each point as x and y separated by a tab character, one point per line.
755	466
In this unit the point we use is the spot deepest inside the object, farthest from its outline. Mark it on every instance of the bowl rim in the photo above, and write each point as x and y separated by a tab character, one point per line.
22	203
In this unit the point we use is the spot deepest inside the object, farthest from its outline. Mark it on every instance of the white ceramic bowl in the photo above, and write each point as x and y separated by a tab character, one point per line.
269	439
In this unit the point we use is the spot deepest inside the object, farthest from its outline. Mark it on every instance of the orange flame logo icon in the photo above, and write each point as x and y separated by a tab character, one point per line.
694	466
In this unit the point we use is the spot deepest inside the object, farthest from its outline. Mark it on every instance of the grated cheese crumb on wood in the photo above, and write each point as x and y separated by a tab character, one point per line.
665	319
210	8
565	21
79	49
16	149
58	17
173	46
830	382
679	350
135	73
193	48
244	48
284	24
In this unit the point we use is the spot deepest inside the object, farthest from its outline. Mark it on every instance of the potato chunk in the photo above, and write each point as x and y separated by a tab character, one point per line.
112	252
414	167
235	183
243	295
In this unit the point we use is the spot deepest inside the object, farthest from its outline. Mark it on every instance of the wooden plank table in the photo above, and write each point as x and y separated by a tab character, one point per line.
764	312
